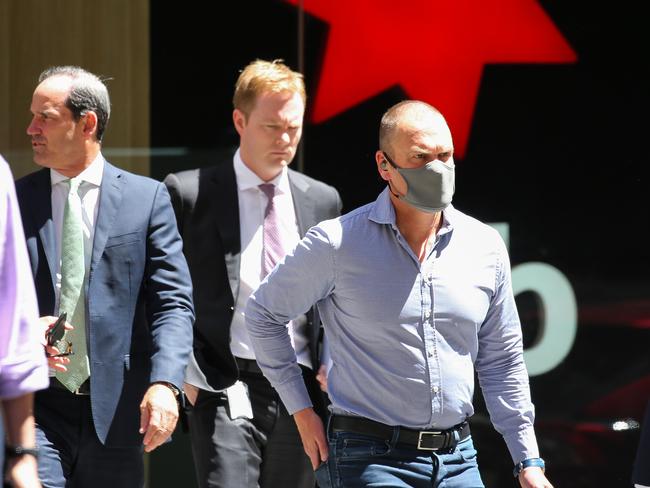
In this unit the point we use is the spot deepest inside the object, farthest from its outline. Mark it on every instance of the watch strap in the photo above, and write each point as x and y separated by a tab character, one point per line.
171	386
528	463
17	451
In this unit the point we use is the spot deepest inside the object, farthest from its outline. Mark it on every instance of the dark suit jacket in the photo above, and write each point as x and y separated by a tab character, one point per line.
139	303
641	474
207	211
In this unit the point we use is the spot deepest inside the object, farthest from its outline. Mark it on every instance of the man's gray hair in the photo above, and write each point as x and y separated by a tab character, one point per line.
88	93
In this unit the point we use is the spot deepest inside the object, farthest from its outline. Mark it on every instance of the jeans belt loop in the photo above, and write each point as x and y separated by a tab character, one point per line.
395	436
446	440
456	439
328	429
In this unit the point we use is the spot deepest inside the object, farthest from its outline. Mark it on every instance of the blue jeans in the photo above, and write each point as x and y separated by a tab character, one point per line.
356	460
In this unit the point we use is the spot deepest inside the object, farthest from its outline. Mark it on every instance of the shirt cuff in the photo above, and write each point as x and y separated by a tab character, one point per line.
21	377
522	445
294	395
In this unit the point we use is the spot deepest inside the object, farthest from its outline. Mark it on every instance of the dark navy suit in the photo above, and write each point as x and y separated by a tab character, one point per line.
139	321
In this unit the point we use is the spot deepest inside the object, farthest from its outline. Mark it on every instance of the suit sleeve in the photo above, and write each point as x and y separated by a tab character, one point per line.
169	294
174	187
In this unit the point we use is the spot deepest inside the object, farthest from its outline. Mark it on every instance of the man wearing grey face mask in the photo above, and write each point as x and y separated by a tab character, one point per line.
415	296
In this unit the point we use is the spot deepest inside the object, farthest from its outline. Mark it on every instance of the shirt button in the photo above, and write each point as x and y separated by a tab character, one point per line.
435	390
427	313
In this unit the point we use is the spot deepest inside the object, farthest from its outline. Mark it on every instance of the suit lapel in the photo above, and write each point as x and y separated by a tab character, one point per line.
303	204
305	207
223	185
41	212
110	196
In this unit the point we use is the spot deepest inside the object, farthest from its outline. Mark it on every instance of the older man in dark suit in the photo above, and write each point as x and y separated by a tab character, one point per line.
105	250
237	220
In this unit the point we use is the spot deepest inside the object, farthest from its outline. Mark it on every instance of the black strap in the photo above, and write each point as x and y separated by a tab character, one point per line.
425	440
18	451
247	365
84	388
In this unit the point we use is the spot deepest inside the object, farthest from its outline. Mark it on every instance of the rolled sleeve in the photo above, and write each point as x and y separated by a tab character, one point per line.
23	375
305	276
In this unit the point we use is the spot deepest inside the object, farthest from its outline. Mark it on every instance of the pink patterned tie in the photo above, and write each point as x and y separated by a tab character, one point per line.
273	250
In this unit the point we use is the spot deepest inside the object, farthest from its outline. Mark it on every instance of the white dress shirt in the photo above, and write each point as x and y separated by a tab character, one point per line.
89	193
252	204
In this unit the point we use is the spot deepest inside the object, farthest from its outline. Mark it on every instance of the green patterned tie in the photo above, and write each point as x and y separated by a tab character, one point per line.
73	293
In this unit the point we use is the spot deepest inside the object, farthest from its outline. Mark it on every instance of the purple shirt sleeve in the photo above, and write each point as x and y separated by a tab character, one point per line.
23	367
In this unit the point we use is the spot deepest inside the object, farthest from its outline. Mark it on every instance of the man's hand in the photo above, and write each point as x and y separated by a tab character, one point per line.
158	416
191	393
533	477
22	472
58	364
321	377
312	433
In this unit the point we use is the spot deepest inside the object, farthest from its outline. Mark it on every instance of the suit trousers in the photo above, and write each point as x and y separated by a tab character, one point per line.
265	451
70	454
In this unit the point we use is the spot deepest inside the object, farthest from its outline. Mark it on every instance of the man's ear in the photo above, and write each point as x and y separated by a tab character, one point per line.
239	119
90	123
382	165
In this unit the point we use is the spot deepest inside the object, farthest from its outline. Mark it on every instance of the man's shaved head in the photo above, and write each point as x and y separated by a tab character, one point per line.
406	111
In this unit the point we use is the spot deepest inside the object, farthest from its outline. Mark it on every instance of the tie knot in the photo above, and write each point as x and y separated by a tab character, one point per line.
74	184
268	189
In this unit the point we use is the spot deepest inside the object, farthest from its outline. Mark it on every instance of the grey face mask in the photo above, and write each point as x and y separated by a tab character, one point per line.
430	187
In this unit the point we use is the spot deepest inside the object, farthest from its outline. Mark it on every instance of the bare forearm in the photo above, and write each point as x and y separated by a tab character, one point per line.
19	420
21	471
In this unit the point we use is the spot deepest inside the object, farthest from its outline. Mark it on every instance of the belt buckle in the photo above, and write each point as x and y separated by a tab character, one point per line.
425	433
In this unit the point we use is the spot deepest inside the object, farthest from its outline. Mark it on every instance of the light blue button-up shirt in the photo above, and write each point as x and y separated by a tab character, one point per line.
405	337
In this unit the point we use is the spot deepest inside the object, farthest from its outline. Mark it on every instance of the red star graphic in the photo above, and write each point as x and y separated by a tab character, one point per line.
434	49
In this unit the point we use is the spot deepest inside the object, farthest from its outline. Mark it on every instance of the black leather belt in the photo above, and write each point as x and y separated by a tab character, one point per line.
247	365
83	390
424	440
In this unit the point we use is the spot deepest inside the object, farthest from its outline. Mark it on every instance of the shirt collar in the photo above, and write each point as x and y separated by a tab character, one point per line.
247	179
92	174
383	212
